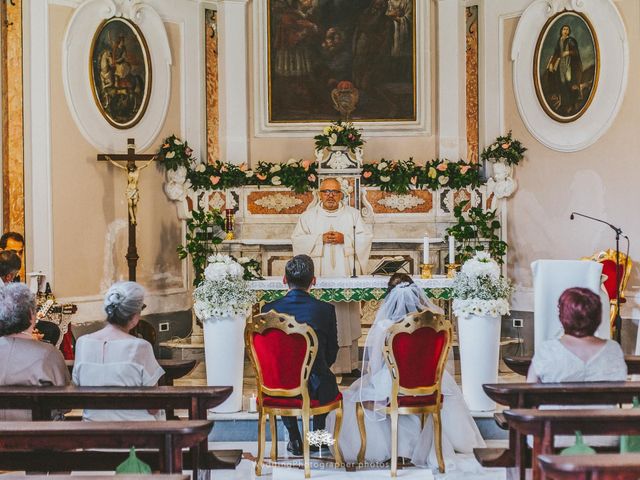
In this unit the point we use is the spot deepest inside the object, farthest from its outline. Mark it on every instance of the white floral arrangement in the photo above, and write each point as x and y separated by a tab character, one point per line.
480	289
223	292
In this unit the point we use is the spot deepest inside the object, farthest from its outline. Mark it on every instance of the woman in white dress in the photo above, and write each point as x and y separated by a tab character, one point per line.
459	431
111	357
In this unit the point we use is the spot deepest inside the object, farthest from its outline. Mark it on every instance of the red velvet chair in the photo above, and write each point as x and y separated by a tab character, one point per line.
608	260
415	352
282	352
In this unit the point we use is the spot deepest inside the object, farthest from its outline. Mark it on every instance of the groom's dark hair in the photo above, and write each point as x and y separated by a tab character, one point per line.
299	272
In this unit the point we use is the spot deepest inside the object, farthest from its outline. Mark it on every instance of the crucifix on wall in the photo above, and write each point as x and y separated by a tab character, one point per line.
132	193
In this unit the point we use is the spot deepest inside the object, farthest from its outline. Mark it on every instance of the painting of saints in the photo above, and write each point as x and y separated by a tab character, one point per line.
314	45
120	72
566	66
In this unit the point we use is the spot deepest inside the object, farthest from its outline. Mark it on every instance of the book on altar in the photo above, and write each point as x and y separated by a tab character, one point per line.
390	265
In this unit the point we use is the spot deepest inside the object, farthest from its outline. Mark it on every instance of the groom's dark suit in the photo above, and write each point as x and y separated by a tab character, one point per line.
321	317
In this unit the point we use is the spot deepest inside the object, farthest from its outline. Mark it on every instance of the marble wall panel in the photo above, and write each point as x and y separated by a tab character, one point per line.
419	201
278	202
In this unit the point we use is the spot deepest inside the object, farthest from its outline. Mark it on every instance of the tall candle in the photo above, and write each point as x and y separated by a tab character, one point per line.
425	250
452	249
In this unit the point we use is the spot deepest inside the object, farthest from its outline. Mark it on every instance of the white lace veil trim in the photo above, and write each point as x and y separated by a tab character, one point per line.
375	382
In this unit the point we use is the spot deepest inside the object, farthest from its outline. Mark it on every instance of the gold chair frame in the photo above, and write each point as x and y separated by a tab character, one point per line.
288	324
610	255
409	324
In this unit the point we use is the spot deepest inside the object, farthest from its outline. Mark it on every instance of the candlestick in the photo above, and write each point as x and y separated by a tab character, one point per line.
426	270
452	249
452	269
425	250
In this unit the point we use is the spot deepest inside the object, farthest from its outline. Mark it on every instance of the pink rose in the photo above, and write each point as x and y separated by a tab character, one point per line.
166	145
188	151
506	145
223	168
214	179
243	167
414	180
442	167
306	164
311	178
259	176
366	174
464	169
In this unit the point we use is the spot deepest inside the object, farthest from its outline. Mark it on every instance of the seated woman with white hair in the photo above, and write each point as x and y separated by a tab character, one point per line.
112	357
23	359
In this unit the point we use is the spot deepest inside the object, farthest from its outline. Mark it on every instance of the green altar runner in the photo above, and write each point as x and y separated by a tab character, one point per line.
363	288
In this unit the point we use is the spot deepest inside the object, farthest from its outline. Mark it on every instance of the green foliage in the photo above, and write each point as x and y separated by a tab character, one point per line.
175	153
197	245
506	148
400	176
339	134
479	231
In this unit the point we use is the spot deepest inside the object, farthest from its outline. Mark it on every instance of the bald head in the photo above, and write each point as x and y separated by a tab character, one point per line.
330	194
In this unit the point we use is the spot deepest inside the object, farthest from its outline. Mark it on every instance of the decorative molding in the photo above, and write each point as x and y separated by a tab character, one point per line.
421	126
278	202
401	202
76	75
614	65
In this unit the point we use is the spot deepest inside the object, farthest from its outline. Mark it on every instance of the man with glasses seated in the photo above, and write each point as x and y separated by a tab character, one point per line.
325	232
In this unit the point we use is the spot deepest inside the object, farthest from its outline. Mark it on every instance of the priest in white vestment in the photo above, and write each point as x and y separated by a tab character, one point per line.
325	232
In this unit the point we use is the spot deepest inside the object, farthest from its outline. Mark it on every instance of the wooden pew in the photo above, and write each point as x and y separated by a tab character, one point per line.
608	466
173	369
197	400
532	395
544	425
169	438
520	365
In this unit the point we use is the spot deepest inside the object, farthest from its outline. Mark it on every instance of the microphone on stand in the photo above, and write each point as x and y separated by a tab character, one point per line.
571	217
618	230
354	275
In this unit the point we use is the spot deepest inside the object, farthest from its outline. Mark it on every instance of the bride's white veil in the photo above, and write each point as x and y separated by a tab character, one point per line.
375	382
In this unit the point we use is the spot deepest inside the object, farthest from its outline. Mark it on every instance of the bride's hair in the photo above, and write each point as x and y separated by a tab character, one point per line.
396	279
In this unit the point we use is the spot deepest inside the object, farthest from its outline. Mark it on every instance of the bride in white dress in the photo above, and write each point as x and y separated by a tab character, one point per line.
459	431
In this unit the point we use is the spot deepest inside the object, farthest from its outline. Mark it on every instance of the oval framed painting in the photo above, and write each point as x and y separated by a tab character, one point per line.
120	72
566	66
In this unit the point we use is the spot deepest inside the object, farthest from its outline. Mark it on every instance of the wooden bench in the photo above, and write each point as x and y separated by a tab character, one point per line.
608	466
173	369
532	395
196	400
169	438
521	365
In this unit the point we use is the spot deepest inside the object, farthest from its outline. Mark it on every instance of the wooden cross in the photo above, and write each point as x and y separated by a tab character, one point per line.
133	194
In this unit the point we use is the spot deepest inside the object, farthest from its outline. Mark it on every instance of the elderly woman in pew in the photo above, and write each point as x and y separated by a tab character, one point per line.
23	359
112	357
578	355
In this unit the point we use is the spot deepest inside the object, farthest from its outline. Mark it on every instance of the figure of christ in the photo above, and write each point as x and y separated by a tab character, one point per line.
325	233
132	192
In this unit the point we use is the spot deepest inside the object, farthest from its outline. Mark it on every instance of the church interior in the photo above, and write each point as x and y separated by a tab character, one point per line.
404	222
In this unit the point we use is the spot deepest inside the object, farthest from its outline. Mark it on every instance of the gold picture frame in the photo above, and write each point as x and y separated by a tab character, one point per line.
120	72
566	66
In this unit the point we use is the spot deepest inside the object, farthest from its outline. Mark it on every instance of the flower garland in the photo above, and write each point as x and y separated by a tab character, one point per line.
402	175
397	176
505	147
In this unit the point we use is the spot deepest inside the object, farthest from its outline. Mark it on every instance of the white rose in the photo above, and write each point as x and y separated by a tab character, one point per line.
382	166
200	168
215	271
177	142
385	179
249	173
275	168
291	161
276	181
243	260
333	139
170	155
443	180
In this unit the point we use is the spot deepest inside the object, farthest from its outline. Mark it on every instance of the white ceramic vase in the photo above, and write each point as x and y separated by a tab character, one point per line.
479	341
224	357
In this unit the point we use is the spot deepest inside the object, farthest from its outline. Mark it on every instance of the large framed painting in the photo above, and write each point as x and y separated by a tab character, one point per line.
570	65
120	72
566	66
350	59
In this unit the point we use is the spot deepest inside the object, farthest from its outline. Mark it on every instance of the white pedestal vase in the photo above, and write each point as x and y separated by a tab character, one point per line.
224	357
479	341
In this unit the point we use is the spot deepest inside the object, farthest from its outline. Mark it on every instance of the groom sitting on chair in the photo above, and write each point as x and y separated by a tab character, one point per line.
321	317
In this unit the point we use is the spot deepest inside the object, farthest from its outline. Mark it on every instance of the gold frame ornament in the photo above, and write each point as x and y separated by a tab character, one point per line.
409	324
113	79
537	81
287	323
